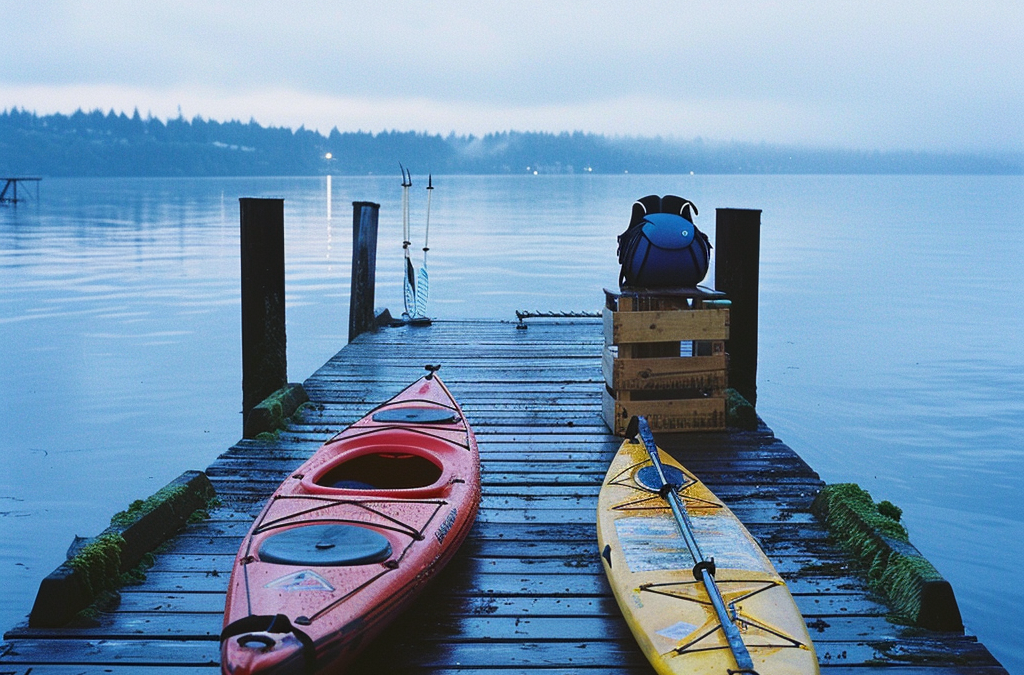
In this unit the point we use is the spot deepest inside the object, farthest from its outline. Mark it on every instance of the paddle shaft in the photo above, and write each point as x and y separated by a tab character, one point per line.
732	633
426	235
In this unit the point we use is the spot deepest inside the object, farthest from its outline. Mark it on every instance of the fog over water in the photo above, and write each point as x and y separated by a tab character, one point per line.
912	75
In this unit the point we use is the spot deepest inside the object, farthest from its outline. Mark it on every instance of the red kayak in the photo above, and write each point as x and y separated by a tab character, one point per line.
352	536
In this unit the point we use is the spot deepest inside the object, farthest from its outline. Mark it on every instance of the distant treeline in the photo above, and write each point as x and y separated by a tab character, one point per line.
111	144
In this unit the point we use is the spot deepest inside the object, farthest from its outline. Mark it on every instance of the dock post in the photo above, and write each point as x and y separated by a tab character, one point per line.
264	361
737	263
364	268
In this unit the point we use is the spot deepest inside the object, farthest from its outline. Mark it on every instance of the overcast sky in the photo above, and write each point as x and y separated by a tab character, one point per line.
928	75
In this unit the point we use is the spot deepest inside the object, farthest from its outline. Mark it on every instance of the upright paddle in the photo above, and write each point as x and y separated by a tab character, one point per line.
409	284
422	282
704	569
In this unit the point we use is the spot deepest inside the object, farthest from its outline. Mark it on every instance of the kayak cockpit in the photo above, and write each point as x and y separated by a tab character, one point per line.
380	470
395	462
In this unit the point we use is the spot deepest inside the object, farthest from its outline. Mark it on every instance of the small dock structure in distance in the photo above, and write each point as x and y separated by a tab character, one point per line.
527	592
9	193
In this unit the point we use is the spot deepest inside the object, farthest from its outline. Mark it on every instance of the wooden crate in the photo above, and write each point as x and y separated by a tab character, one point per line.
664	357
697	374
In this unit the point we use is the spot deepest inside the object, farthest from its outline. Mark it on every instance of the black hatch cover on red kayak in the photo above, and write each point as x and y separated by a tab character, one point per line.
416	415
326	545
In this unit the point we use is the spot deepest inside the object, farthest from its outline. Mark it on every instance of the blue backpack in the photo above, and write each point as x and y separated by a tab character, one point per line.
662	248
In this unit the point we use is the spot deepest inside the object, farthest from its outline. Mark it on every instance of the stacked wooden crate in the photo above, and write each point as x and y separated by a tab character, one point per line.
664	357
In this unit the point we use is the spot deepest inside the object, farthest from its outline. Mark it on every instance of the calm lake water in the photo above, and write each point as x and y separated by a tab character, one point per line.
891	348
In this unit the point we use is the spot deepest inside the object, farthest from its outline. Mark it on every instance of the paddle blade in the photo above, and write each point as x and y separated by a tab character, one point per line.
410	288
422	291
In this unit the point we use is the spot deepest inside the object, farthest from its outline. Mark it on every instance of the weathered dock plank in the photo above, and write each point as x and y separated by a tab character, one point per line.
527	592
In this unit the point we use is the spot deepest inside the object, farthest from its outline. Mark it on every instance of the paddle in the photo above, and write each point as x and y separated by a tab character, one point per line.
704	569
409	284
422	282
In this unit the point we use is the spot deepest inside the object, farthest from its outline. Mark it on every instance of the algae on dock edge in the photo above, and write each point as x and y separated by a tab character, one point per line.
140	507
739	412
99	563
122	553
914	589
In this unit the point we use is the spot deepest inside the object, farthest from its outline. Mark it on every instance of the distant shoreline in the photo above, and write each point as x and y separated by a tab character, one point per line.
114	145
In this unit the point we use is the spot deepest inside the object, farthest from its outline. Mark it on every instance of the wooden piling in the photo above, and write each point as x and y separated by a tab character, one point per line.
364	268
737	254
264	361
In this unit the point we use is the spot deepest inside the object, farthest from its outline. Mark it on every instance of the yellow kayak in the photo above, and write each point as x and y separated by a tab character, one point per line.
652	573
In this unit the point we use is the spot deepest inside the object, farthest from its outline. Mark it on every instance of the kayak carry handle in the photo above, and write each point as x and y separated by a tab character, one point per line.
431	370
278	624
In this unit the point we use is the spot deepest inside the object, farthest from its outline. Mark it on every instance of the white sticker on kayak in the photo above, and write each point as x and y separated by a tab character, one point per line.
677	631
306	580
653	543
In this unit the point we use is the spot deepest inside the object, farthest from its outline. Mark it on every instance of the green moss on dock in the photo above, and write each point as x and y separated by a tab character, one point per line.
873	534
105	551
199	515
739	412
99	563
903	578
137	575
890	510
141	507
851	515
276	411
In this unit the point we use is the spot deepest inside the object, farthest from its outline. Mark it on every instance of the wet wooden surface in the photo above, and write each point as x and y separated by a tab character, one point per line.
526	593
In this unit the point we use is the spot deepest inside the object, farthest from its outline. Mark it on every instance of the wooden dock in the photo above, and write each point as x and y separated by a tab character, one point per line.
527	592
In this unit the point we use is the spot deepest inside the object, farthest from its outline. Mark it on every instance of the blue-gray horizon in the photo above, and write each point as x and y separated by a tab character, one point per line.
658	143
908	77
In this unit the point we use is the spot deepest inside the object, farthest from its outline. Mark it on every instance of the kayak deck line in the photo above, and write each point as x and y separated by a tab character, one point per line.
527	591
